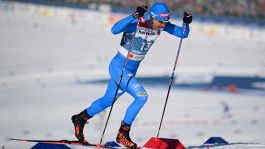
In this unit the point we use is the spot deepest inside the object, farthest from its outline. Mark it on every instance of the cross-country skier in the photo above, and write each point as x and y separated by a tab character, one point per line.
139	33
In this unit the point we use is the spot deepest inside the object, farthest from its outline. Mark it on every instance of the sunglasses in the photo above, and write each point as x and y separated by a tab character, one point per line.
159	20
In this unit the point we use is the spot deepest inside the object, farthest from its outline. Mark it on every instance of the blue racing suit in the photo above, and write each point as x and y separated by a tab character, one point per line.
138	37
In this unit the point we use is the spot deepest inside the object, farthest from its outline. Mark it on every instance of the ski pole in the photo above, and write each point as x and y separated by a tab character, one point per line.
119	83
171	80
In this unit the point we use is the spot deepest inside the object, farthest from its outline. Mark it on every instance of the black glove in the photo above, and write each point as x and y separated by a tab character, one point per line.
139	12
187	18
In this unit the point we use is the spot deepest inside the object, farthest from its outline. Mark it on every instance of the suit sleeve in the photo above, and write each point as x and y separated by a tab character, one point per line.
124	25
177	30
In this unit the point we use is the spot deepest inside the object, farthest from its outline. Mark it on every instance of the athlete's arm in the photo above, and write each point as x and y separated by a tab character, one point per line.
177	30
124	25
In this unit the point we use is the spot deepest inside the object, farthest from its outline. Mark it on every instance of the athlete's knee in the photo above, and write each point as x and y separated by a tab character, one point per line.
108	98
141	97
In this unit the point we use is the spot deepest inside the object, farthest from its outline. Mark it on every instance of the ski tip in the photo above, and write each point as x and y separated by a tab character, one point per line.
99	145
10	138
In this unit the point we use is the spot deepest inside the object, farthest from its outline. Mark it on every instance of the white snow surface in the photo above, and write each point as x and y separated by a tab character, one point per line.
42	58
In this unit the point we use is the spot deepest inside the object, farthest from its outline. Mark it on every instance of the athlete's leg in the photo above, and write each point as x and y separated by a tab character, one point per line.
135	89
140	95
105	101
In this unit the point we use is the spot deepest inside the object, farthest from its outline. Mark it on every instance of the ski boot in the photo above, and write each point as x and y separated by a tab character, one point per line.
79	121
123	137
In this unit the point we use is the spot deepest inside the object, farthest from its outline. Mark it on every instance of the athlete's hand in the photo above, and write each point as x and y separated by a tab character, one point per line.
139	11
187	18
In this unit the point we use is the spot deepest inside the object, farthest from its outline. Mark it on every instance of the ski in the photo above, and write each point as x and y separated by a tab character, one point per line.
70	142
108	145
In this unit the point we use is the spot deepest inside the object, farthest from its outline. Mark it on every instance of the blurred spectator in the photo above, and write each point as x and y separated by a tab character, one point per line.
237	8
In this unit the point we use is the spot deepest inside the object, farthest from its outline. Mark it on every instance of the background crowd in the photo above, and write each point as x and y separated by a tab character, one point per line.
236	8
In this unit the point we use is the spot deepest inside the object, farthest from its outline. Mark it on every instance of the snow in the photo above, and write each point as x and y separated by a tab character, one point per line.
42	59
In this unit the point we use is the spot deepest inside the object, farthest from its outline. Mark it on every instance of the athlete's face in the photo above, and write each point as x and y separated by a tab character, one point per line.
158	24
